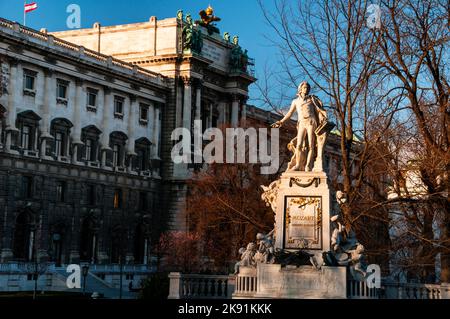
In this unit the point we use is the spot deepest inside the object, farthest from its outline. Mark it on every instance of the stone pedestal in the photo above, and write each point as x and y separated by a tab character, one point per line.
304	282
303	213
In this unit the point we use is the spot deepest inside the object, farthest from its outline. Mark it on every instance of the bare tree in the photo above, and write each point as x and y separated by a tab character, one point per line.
329	44
413	54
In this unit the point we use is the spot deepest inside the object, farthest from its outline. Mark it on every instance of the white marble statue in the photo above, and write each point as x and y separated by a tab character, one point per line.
312	130
266	251
247	257
345	248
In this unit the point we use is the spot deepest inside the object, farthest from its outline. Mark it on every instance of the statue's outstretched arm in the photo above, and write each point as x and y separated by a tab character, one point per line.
287	116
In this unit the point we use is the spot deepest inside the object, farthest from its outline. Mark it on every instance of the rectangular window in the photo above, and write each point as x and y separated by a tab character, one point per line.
59	144
92	98
91	195
61	192
141	159
143	113
61	89
27	187
88	149
29	80
26	138
116	155
117	198
118	105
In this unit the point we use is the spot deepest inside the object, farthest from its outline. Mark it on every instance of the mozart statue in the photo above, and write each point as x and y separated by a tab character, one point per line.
312	130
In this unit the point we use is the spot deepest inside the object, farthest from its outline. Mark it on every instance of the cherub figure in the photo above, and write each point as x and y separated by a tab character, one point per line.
266	250
247	257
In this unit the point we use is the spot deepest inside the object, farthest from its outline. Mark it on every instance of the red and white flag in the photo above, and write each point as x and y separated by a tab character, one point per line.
30	7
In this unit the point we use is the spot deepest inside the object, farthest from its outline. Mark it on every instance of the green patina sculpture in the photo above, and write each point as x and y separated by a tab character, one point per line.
239	59
226	36
192	38
180	15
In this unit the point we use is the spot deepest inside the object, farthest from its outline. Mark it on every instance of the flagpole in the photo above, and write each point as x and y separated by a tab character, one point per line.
24	14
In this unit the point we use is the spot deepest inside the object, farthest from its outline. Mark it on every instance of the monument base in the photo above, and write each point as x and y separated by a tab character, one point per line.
302	213
304	282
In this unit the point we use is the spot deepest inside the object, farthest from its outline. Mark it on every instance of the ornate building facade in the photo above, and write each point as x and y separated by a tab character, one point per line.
86	174
208	76
79	153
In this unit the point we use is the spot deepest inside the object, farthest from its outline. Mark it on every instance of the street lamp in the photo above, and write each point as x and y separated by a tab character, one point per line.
85	270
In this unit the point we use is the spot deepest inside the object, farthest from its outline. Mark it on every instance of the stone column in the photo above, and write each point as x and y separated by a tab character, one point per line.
179	104
133	109
235	110
76	131
222	112
151	123
49	97
106	107
156	132
14	97
198	101
244	111
187	103
210	118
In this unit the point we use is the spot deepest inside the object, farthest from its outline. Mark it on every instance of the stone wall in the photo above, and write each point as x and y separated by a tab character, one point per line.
66	217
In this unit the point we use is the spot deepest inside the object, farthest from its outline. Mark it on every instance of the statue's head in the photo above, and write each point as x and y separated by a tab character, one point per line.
260	236
209	11
180	14
304	88
360	249
236	40
341	197
188	18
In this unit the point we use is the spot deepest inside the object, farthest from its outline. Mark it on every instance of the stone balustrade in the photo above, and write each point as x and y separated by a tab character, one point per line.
56	43
393	290
245	286
184	286
360	290
246	283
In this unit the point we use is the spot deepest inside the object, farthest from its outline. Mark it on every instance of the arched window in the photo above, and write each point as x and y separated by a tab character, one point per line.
116	244
142	160
117	141
88	242
90	136
28	125
142	239
56	246
60	130
24	233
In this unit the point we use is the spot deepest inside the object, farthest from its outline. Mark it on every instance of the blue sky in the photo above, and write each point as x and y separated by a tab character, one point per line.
239	17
